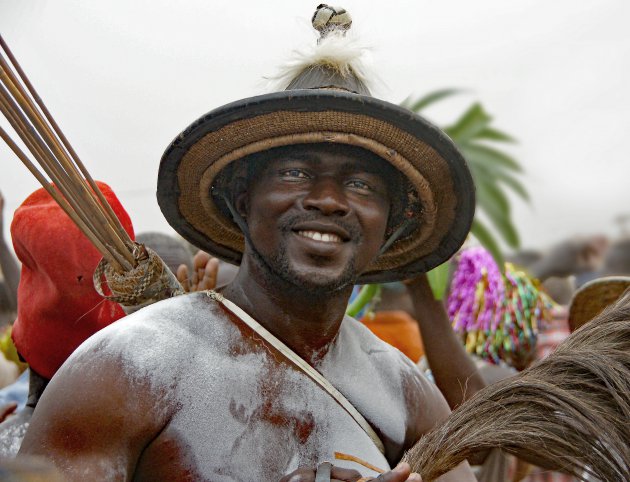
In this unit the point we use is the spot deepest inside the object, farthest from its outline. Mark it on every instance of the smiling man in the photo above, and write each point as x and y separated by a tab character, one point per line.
310	190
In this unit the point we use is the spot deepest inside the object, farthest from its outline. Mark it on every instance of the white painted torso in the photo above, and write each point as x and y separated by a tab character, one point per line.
244	413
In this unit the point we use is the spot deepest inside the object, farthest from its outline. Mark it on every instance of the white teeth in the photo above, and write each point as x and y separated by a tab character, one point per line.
317	236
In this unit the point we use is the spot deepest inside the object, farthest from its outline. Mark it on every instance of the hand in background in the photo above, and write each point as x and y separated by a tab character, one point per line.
204	275
7	410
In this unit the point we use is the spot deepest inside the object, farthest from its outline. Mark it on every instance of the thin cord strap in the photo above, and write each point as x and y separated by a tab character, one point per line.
302	365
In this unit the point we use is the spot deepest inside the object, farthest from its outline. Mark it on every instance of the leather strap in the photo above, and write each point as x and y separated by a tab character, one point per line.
301	364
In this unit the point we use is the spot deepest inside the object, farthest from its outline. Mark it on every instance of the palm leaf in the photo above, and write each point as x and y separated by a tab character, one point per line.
495	204
481	154
483	235
365	295
483	173
469	125
513	183
438	279
489	133
426	100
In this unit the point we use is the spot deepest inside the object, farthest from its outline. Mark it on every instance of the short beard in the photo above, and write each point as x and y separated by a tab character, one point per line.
278	266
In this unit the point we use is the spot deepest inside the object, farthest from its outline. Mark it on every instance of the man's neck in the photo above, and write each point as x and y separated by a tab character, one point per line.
304	321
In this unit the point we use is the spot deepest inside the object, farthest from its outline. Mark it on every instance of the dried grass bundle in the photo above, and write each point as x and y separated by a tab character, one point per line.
569	412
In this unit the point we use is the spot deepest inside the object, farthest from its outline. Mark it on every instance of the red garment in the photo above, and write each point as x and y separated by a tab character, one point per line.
58	307
398	329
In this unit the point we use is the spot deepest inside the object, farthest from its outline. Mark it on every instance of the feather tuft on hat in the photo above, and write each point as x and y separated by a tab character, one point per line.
337	57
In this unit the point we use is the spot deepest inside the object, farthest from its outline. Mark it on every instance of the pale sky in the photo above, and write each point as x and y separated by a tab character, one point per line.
124	77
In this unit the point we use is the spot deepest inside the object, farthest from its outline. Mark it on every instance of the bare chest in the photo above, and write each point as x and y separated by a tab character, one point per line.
248	418
241	412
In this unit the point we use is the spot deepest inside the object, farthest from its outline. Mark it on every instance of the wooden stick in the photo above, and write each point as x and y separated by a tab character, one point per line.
59	199
76	183
15	123
352	458
39	150
108	209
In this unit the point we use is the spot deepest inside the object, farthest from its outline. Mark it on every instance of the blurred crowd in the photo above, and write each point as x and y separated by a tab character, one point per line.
48	307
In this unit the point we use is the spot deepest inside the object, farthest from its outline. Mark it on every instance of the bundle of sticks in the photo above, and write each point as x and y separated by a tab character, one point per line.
134	275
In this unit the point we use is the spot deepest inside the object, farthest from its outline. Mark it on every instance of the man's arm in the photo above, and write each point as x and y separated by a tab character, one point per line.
94	420
454	371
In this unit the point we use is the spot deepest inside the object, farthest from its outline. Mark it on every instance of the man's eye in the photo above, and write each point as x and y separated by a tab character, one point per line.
294	174
358	184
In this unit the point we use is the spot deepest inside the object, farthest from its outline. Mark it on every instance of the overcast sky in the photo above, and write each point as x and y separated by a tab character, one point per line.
124	77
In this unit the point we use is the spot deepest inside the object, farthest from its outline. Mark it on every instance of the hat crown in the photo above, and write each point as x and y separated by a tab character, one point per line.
325	76
335	61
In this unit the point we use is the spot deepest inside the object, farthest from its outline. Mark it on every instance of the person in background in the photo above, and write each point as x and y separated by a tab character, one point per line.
10	269
560	266
58	307
617	261
10	367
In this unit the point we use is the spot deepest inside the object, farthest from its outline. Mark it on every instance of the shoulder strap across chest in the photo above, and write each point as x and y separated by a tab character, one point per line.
307	369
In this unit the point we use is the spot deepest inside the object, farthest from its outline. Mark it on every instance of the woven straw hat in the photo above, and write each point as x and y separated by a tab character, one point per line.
326	101
591	299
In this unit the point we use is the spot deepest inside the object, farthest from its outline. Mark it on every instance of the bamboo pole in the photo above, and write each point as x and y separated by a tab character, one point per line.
84	199
59	199
74	189
38	149
108	209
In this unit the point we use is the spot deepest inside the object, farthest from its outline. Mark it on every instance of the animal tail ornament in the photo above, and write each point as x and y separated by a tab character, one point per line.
569	412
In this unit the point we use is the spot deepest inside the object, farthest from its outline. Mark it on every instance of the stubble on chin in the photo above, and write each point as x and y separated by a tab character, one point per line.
310	284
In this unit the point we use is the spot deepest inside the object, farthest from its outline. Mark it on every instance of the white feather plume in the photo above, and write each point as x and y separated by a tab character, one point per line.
343	53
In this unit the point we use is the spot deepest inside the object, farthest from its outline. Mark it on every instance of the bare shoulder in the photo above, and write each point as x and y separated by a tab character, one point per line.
158	334
384	385
116	392
420	398
380	356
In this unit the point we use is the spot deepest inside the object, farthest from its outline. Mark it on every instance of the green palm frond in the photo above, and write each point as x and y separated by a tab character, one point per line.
494	173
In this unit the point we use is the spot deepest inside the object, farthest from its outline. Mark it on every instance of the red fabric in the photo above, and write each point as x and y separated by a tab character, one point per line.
58	307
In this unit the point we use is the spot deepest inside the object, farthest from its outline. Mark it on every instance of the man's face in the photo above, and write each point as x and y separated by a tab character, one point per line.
317	214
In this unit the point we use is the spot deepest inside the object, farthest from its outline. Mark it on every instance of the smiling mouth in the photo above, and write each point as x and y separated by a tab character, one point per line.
320	236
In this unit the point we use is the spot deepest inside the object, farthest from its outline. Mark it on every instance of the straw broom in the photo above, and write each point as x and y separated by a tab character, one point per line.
569	412
134	274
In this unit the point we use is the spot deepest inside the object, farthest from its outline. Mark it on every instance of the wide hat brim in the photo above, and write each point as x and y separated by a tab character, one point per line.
592	298
426	156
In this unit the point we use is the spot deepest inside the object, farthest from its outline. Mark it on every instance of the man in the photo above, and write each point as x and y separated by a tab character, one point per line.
310	190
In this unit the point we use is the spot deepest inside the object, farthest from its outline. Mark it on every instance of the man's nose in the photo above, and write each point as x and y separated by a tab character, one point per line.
327	195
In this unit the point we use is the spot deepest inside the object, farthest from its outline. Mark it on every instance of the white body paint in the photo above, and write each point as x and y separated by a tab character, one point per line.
243	414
